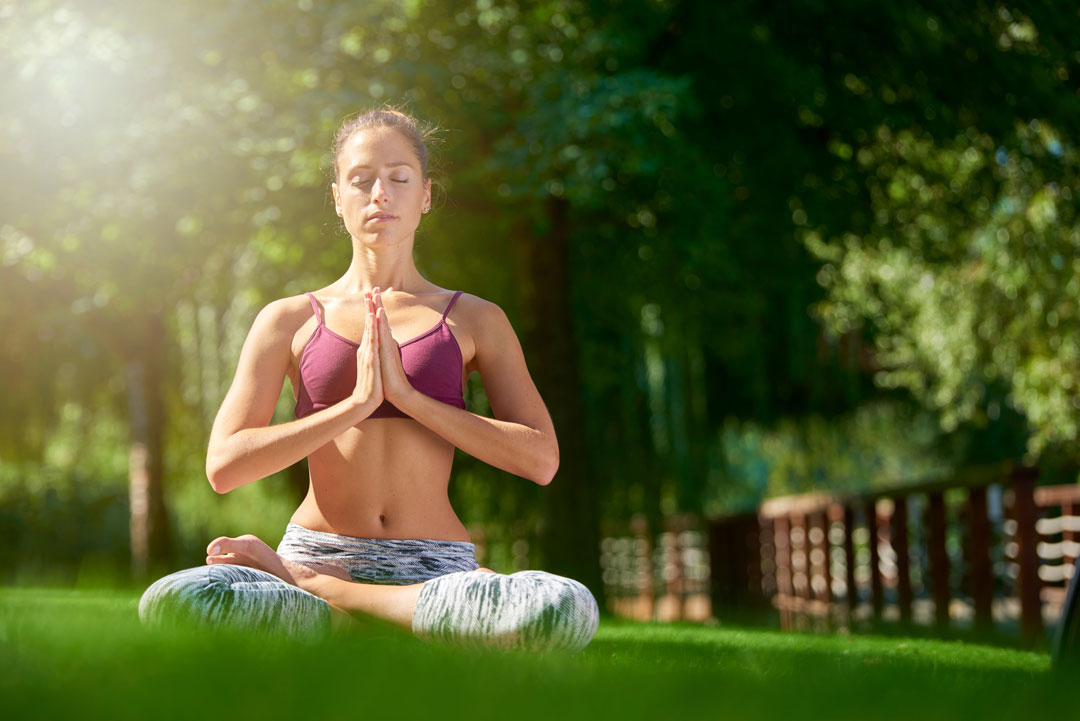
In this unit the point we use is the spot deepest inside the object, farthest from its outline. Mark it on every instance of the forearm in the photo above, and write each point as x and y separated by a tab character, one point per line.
253	453
512	447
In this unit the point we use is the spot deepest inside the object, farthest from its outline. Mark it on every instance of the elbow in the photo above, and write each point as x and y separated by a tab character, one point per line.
215	473
548	466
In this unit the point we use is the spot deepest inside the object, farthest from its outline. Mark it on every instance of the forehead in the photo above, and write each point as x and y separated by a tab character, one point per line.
377	147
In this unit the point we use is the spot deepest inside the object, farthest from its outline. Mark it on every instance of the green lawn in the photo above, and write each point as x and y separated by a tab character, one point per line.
82	654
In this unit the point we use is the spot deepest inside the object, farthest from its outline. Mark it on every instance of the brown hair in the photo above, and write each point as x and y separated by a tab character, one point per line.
387	117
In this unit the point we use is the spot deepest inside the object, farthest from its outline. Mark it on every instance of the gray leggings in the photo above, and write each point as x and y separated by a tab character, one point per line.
457	604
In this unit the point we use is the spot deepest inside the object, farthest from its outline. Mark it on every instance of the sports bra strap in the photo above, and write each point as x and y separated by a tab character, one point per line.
315	307
451	305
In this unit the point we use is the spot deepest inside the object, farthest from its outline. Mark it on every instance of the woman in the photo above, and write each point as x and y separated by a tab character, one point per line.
379	411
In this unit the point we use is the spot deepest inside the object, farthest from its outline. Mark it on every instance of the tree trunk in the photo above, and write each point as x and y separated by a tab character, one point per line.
570	536
150	540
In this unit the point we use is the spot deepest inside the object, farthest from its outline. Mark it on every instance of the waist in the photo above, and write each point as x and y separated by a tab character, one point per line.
390	561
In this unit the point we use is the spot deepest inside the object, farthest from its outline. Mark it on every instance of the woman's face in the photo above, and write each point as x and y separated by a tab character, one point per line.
381	191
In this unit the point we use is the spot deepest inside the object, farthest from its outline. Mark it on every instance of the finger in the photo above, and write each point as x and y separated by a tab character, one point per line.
380	321
379	306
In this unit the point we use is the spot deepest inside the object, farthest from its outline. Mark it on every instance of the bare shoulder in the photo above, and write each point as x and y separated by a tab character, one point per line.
278	323
483	320
489	331
285	312
477	312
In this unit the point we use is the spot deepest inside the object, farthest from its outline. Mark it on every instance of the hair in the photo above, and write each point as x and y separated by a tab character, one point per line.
387	117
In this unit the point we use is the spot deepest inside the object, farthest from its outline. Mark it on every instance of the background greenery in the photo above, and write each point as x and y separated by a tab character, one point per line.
750	248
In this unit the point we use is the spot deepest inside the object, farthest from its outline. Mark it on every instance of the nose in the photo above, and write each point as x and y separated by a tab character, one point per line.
378	191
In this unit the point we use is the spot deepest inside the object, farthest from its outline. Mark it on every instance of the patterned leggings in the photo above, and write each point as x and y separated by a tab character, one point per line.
458	604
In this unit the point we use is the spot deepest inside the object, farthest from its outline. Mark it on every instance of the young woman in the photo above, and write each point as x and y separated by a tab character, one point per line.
378	360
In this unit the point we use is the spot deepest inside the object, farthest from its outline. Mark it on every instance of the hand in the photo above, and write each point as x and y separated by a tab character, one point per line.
250	551
368	392
395	384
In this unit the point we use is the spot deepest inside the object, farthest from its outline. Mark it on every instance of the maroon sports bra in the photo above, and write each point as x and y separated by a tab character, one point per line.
432	362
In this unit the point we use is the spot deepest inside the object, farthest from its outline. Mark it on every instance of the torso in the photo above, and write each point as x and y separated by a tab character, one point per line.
385	477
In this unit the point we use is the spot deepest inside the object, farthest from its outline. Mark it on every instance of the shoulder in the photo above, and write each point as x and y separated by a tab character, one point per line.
481	316
283	317
493	339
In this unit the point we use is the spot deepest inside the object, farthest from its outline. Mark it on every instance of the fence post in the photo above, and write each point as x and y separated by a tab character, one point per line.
1068	508
849	559
751	561
783	570
899	539
1023	482
939	558
802	569
982	580
767	559
877	592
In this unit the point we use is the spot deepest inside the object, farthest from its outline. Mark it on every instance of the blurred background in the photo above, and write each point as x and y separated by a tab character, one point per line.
751	250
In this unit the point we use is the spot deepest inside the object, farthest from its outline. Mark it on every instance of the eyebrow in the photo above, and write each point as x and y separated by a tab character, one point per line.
368	167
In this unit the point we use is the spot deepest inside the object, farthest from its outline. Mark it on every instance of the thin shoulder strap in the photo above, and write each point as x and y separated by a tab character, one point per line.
451	305
315	307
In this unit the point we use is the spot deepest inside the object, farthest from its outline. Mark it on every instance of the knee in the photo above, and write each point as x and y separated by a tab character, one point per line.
561	614
183	596
227	596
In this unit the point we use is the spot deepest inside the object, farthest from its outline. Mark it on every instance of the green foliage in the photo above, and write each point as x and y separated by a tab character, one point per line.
967	275
878	445
907	171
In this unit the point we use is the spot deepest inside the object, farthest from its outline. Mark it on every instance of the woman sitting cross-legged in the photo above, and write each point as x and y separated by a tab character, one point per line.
379	412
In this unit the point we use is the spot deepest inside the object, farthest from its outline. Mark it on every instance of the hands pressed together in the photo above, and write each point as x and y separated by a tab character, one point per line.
379	373
379	376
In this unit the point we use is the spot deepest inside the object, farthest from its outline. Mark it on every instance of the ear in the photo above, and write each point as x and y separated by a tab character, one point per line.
427	192
337	198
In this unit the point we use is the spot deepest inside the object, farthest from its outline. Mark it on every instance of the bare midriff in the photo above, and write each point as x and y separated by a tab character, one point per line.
384	477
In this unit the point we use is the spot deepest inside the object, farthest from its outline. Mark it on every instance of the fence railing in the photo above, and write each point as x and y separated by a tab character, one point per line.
986	548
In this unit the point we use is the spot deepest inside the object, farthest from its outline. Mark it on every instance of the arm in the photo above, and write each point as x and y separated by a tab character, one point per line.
243	446
521	438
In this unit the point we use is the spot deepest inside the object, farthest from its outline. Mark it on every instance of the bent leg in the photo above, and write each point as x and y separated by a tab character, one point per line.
530	610
235	597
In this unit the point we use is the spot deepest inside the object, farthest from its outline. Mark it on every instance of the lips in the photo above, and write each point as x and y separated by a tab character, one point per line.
381	217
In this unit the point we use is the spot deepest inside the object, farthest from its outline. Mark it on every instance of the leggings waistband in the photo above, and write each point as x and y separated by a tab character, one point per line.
390	561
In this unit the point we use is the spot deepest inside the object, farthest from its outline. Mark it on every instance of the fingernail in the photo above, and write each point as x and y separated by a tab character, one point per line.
215	550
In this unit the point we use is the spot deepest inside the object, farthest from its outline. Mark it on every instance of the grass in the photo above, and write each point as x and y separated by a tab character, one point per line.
68	654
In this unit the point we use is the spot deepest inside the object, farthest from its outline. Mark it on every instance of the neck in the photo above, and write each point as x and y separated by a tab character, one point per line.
383	267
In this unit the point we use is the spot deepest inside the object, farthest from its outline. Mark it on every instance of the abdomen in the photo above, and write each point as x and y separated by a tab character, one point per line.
386	478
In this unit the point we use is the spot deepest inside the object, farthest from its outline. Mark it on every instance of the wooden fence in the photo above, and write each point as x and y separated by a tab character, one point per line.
988	549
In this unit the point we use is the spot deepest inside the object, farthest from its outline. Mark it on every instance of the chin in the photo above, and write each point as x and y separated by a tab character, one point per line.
381	238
